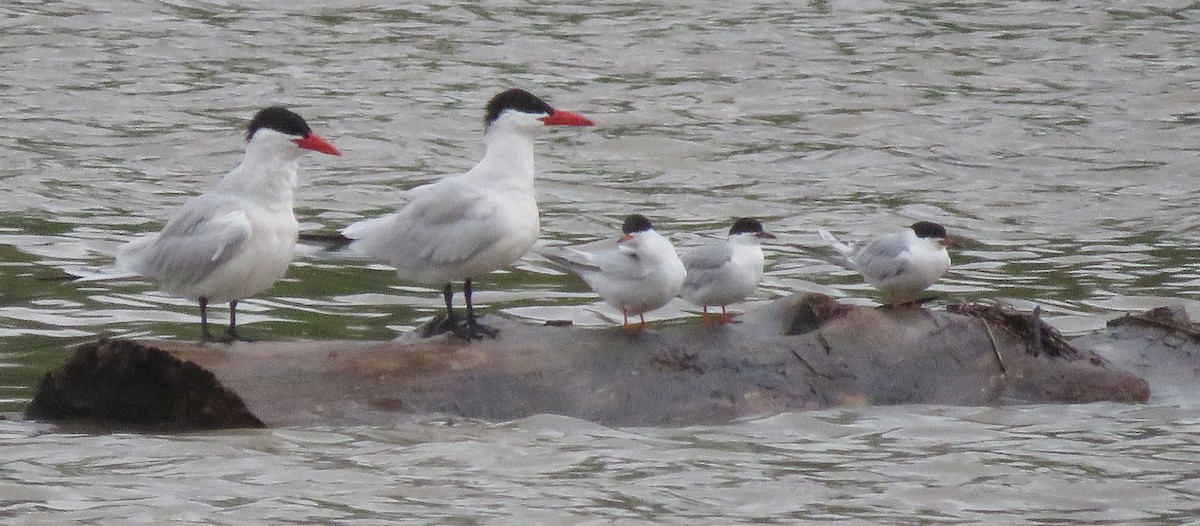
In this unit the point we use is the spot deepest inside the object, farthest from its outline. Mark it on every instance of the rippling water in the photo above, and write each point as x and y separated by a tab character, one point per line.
1101	464
1056	140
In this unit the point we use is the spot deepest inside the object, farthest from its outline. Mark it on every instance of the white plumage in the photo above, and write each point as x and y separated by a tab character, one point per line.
900	265
719	274
642	272
237	239
471	224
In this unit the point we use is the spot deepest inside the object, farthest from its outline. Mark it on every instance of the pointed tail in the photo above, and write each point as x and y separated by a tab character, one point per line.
837	244
573	260
330	242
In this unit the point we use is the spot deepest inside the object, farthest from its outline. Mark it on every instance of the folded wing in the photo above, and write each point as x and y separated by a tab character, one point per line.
209	231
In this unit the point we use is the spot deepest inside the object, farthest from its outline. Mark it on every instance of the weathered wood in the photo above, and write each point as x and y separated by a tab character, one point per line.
1161	345
800	352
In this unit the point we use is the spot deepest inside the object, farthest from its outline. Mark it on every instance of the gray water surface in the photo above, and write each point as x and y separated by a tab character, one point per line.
1057	141
1101	464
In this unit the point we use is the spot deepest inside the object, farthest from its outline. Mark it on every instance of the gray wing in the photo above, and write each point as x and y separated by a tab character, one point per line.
208	231
882	258
622	263
446	222
574	260
704	263
618	262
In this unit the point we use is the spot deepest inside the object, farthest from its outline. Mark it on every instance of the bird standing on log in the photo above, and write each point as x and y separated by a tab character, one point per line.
642	273
719	274
900	265
471	224
237	239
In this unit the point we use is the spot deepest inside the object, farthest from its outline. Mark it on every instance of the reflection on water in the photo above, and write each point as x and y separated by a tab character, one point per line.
1056	141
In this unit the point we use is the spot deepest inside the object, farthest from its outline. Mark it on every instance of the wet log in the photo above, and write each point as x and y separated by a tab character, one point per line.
1161	345
119	382
796	353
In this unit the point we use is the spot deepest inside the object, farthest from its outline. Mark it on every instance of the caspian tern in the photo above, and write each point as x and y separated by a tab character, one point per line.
900	265
237	239
642	273
468	225
719	274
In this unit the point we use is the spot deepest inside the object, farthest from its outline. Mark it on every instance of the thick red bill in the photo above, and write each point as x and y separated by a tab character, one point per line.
567	118
317	143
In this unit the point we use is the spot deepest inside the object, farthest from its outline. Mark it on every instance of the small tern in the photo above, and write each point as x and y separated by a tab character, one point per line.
642	273
719	274
900	265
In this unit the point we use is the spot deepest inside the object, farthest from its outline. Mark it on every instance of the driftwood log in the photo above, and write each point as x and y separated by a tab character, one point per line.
800	352
1160	345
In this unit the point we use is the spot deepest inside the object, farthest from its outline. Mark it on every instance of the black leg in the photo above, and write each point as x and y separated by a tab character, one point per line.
452	323
468	329
204	319
467	299
477	330
232	332
232	335
448	292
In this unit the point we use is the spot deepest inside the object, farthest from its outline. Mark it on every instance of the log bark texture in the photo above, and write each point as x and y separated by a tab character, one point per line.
800	352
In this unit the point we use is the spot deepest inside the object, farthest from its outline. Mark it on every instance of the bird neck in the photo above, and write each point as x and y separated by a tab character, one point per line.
508	159
655	248
267	173
746	251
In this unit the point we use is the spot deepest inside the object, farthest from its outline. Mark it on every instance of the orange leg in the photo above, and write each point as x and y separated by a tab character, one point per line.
627	326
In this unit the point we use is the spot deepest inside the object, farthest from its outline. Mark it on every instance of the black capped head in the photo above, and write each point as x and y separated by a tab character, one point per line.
635	223
749	225
515	99
926	229
279	119
746	225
